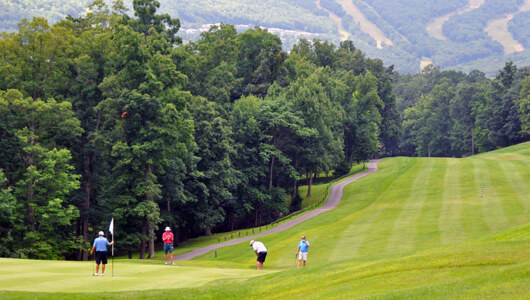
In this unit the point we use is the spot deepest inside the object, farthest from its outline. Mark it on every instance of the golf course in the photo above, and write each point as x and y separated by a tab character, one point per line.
416	228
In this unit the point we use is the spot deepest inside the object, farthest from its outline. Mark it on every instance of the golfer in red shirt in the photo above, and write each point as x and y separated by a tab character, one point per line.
167	237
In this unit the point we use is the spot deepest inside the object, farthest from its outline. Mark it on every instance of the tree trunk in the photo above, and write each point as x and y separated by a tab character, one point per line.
429	150
271	173
473	140
295	183
31	210
150	227
310	183
151	241
29	162
86	206
143	243
295	189
78	232
261	215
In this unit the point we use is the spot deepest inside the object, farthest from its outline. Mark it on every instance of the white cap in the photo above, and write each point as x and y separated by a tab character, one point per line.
101	233
251	242
168	229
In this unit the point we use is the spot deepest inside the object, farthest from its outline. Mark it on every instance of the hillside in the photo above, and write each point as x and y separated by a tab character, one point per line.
419	203
453	34
417	228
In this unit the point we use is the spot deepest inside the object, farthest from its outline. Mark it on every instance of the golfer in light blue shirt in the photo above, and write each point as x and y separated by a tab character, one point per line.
100	245
303	248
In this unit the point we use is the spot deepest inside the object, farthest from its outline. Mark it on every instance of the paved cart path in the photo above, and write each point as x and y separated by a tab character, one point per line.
333	200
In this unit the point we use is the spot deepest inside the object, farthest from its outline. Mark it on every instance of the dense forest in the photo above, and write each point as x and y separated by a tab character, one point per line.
466	46
111	115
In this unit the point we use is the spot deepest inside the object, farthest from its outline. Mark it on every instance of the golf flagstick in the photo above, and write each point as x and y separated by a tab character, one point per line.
113	256
111	230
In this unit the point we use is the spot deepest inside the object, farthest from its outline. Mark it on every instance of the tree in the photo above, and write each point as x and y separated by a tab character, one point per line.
148	130
208	187
47	178
361	133
323	151
260	61
145	11
86	73
525	107
463	113
251	192
42	56
7	217
210	64
430	122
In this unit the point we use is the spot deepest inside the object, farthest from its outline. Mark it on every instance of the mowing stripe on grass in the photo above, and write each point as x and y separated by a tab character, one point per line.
492	209
449	222
358	223
404	231
428	231
356	233
512	206
516	172
472	219
386	210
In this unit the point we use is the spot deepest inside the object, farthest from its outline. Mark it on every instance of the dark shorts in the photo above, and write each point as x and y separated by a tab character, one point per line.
261	256
168	248
101	257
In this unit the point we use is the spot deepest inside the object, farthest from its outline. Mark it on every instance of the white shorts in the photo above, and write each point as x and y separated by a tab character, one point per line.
302	256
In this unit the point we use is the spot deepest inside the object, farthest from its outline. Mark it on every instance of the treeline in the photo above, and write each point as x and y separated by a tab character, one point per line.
455	114
109	116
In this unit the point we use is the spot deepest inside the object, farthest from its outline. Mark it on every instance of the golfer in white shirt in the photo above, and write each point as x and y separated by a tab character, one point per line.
260	251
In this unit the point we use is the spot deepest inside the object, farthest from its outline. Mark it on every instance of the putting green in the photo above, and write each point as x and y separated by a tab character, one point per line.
69	276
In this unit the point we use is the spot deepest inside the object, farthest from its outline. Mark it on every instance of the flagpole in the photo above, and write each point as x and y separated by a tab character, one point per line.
111	230
112	247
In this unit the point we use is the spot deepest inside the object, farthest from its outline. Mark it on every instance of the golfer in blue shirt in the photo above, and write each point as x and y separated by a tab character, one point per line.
303	248
100	245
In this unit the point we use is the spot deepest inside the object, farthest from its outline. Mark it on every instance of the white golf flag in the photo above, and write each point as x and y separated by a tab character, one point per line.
111	226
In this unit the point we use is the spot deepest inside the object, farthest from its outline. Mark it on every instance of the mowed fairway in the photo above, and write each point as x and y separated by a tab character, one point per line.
409	205
416	228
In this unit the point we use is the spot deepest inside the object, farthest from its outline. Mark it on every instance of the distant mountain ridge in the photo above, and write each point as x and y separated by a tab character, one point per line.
452	34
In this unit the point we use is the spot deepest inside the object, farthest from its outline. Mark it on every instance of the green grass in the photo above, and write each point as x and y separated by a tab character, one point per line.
417	228
70	276
318	191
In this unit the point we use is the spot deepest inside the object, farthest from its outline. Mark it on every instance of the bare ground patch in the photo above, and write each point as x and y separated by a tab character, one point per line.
497	29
